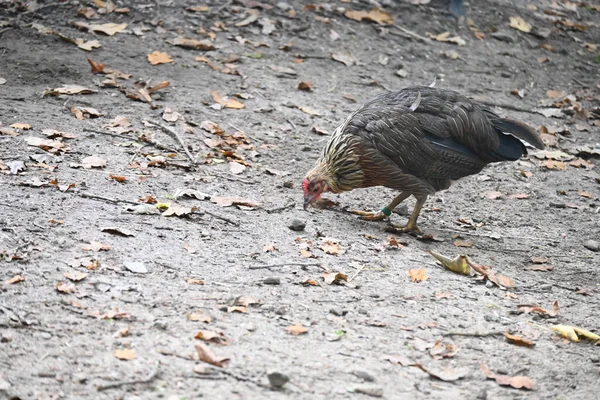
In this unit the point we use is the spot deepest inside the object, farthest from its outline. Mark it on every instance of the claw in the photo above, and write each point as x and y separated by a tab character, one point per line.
369	215
409	228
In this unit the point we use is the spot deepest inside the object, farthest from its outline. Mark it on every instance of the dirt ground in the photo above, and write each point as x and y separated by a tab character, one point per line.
91	312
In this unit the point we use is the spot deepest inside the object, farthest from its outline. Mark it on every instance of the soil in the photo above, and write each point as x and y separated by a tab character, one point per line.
143	296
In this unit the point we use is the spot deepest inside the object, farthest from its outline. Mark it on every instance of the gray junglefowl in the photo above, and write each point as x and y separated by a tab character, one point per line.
418	141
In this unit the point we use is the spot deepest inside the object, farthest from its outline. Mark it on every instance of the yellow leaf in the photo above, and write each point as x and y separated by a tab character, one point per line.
125	354
418	274
574	333
520	24
157	57
296	329
458	264
108	29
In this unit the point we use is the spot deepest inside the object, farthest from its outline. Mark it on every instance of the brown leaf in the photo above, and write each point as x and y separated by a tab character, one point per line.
518	382
193	281
581	163
208	62
443	350
585	194
526	309
375	15
310	282
239	309
205	354
210	336
418	274
331	247
65	287
198	316
296	329
203	45
230	103
234	201
108	28
518	340
157	57
117	231
97	68
69	90
554	165
125	331
539	259
14	279
307	86
334	278
157	87
538	267
125	354
51	146
21	125
462	243
74	276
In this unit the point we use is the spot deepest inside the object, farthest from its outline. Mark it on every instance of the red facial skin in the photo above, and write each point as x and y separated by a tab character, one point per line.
312	191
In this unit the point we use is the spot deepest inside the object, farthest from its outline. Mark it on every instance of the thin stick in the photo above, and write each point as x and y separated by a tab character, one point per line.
102	198
284	265
175	136
356	273
153	374
507	106
106	133
477	334
212	214
411	33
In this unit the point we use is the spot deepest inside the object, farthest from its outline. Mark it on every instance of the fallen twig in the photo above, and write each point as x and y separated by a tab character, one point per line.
175	136
411	33
356	273
106	133
212	214
507	106
102	198
476	334
153	374
282	208
284	265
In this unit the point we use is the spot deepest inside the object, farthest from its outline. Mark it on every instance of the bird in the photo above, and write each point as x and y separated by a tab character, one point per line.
418	141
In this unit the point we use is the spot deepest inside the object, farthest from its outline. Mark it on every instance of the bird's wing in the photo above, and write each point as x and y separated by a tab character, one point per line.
420	144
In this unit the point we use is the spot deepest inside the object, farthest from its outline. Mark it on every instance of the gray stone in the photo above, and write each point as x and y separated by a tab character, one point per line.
503	37
137	267
272	281
592	245
296	225
277	379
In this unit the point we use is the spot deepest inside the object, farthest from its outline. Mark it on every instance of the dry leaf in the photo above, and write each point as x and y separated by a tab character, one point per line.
65	287
296	329
205	354
108	28
418	274
336	278
117	231
214	337
518	340
581	163
269	248
574	333
462	243
343	57
234	201
446	38
14	279
198	316
518	382
156	57
193	281
520	24
494	195
230	103
75	276
125	331
524	308
443	350
458	264
307	86
208	62
125	354
118	178
236	168
21	125
330	247
68	90
204	45
554	165
91	162
238	309
375	15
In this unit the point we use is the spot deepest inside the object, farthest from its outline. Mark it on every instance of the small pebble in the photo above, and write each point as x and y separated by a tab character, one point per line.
373	391
503	37
337	312
592	245
272	281
277	379
365	376
296	225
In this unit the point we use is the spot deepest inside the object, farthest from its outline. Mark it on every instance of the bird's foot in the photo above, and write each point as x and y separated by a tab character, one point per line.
370	215
408	228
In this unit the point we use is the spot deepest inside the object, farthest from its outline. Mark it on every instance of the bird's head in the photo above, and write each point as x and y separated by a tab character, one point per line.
313	187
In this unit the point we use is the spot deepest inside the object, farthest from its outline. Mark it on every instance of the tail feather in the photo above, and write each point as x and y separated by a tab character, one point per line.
520	130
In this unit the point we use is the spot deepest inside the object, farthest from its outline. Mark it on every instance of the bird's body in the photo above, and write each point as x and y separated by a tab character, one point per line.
417	140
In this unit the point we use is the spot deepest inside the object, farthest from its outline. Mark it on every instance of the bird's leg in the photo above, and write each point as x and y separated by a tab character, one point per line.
412	221
385	211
